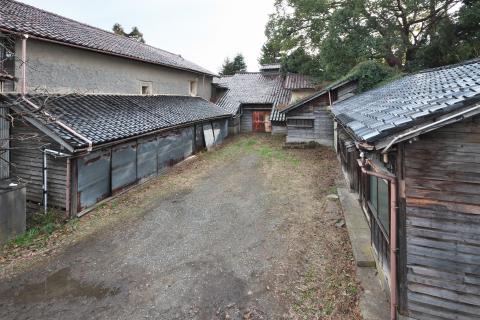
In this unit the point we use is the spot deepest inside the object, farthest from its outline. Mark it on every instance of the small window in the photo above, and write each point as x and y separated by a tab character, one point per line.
146	89
300	123
379	200
193	88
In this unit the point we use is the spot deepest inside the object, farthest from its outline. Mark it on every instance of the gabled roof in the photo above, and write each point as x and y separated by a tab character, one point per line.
408	101
107	118
314	96
21	18
254	88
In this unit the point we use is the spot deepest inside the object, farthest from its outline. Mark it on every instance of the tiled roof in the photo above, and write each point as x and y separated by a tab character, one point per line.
410	100
254	88
106	118
22	18
298	81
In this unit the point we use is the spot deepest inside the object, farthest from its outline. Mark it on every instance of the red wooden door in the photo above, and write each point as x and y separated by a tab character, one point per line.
260	121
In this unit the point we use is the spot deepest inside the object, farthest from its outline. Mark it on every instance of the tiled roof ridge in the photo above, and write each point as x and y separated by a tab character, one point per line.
58	94
90	26
446	67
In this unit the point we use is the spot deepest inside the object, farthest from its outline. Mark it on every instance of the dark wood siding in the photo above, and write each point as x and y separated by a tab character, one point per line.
246	123
322	131
442	188
27	164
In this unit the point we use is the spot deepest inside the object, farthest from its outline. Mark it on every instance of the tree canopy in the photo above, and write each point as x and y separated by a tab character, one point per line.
335	36
134	34
231	67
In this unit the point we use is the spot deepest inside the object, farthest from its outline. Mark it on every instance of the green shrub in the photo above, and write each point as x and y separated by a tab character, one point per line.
371	74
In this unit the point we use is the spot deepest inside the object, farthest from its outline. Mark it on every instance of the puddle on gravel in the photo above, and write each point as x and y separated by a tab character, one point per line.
61	285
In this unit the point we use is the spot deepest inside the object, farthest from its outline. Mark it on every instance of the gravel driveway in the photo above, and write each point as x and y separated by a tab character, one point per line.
213	248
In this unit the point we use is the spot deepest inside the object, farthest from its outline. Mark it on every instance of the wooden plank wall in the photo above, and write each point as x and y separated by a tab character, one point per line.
346	91
442	180
246	121
27	164
322	131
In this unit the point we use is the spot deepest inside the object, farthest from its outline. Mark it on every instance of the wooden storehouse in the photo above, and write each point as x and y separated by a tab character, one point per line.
310	119
411	149
73	151
255	98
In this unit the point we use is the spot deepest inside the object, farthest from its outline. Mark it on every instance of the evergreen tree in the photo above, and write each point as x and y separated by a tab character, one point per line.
134	34
231	67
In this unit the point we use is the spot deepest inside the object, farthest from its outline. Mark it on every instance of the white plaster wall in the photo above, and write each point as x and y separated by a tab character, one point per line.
63	69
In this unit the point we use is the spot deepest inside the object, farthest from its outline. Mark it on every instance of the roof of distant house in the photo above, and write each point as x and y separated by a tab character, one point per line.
21	18
104	118
410	100
253	88
315	95
272	66
295	81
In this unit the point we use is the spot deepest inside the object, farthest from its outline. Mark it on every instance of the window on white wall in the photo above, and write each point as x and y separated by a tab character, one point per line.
146	88
193	88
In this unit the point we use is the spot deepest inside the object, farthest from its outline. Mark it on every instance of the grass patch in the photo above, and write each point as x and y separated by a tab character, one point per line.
254	144
39	227
332	190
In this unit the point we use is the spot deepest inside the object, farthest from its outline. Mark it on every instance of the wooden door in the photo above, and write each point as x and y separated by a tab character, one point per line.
261	121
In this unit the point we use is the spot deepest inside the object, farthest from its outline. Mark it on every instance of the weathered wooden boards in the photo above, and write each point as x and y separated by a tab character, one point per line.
443	223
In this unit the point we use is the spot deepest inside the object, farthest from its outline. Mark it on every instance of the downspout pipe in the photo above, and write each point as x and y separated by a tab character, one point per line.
393	235
23	88
61	124
45	174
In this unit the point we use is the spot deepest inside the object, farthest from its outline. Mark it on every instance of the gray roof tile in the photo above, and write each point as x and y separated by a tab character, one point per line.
254	88
22	18
106	118
403	102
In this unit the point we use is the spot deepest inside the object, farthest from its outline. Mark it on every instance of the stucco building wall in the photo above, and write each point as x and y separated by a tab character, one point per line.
62	69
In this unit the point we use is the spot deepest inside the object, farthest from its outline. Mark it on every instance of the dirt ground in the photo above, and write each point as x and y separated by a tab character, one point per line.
243	232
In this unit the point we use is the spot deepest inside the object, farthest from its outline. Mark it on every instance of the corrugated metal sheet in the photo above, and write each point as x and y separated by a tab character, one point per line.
174	147
147	157
209	135
199	139
124	166
102	173
4	144
93	178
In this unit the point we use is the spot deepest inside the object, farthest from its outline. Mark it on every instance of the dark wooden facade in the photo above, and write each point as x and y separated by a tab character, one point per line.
438	198
27	166
442	193
310	120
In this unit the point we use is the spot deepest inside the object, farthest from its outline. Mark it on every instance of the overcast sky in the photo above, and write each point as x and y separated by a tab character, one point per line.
203	31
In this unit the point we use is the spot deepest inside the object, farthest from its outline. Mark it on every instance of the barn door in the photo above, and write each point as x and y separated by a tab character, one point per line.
261	121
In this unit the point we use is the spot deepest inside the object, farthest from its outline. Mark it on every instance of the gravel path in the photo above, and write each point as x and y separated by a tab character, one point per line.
208	250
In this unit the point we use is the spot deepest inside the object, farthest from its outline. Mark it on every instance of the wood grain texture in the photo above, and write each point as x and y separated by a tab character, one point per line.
27	165
442	177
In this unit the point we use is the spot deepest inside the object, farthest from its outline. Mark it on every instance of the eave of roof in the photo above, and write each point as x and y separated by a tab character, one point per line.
314	96
107	119
40	33
410	101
